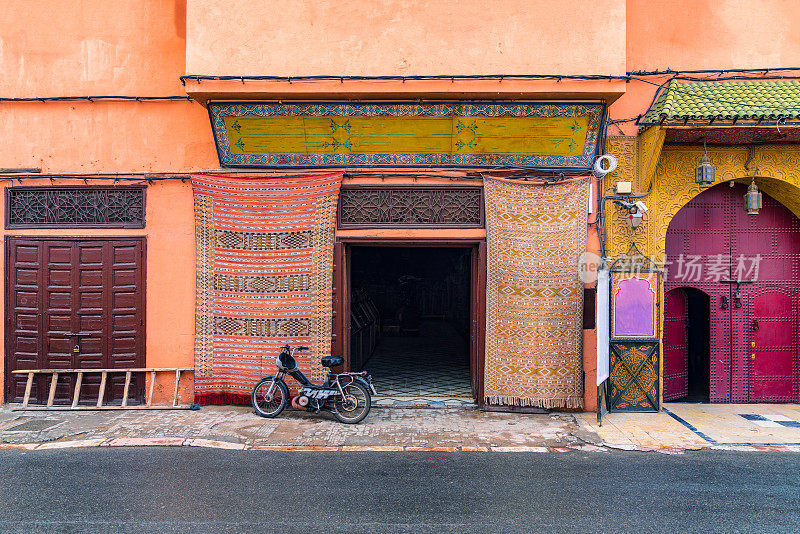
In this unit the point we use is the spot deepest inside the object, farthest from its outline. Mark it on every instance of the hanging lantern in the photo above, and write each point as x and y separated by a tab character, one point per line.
752	199
704	173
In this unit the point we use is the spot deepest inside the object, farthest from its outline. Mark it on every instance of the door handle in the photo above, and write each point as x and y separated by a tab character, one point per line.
755	325
724	302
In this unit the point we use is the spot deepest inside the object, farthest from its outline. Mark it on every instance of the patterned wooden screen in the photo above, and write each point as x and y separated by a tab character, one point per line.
411	207
75	207
634	380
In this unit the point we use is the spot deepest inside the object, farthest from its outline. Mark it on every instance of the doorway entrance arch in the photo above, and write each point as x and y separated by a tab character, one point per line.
749	266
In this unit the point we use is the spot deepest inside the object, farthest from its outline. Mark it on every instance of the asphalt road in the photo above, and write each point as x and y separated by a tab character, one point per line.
205	490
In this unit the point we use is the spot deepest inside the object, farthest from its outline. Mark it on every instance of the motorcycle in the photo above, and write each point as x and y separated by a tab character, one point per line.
346	395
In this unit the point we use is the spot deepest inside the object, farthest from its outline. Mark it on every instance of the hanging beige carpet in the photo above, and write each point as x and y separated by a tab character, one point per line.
535	234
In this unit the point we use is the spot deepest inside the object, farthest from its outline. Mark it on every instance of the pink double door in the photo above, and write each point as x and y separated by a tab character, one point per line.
748	266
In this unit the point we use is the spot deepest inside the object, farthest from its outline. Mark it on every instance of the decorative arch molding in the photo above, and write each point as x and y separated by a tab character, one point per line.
777	171
778	175
673	186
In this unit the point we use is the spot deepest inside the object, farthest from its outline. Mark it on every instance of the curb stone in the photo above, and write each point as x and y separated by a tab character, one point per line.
216	444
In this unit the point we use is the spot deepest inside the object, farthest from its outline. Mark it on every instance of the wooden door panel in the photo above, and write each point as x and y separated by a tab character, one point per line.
773	344
772	362
59	301
699	231
127	294
90	323
770	390
58	322
676	345
766	345
720	351
68	293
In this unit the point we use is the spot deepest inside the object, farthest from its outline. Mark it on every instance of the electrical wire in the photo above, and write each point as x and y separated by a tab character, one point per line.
92	98
765	70
325	77
638	76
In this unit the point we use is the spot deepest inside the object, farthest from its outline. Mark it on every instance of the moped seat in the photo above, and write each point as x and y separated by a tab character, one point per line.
332	361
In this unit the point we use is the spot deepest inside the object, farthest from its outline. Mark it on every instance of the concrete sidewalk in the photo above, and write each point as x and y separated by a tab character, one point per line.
699	426
678	428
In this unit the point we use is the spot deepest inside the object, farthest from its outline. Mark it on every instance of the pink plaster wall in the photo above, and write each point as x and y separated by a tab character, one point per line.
404	37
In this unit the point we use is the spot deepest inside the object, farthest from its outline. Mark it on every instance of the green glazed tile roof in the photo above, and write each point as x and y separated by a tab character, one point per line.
726	100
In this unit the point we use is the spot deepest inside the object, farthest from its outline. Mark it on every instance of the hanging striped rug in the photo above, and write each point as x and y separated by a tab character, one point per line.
264	266
535	234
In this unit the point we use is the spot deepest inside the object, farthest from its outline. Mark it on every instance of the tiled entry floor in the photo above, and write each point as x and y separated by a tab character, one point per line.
430	370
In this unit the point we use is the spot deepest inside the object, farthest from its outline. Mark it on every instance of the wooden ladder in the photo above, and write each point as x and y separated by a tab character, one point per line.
76	393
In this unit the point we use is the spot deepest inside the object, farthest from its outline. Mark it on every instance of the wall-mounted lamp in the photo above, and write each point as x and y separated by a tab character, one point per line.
704	173
752	199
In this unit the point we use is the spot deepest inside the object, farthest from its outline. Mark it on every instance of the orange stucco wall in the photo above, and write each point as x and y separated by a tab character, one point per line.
141	47
50	48
170	279
106	137
702	34
404	37
92	47
712	34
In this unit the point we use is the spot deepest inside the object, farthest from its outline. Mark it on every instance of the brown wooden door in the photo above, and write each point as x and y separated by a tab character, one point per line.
74	303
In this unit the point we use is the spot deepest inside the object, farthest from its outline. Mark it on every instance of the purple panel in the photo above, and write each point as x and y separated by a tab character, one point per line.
634	308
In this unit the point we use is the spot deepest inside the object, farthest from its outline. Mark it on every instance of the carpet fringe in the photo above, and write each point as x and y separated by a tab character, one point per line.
571	403
222	398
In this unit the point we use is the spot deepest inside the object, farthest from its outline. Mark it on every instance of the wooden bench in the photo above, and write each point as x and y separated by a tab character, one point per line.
103	376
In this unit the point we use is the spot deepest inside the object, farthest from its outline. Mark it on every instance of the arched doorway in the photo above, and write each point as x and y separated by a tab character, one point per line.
749	268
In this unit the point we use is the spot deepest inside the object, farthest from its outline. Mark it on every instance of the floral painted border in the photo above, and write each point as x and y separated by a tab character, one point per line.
219	110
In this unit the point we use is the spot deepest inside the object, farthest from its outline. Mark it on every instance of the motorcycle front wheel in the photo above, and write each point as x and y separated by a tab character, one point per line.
355	405
268	404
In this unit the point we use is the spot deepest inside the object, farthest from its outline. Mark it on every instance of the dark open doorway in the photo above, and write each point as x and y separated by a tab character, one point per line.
410	322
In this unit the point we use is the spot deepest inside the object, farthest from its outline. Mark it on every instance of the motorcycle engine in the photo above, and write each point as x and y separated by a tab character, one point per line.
309	397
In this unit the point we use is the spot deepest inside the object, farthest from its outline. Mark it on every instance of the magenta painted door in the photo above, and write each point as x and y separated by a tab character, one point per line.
676	345
750	266
773	345
765	251
701	230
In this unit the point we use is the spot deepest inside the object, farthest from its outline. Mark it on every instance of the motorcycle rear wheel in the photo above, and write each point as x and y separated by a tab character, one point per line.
355	406
272	405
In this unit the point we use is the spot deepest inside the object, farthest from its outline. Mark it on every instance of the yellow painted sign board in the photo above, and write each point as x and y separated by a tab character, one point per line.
261	134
